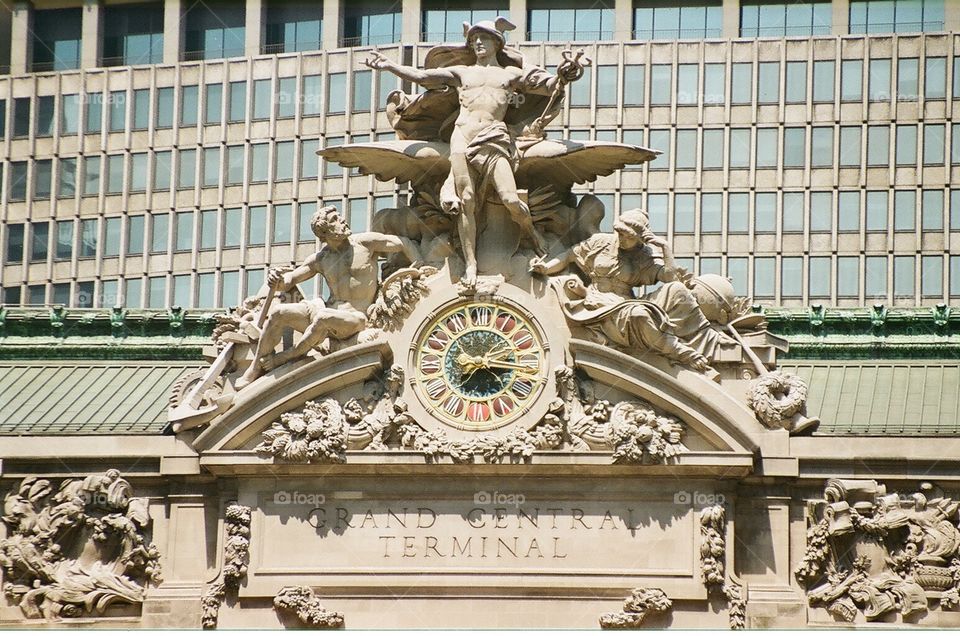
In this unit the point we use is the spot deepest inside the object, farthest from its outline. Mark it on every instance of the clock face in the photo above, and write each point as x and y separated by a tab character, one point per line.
479	365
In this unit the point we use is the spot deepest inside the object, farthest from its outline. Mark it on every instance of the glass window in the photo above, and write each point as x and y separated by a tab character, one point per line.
157	291
46	116
235	155
189	105
237	106
714	83
259	162
848	276
133	292
850	145
688	84
793	212
311	95
955	145
211	167
796	85
304	231
931	213
118	111
851	80
906	145
711	221
88	238
18	181
138	172
187	170
661	84
159	232
657	211
286	97
40	241
14	251
161	171
931	276
56	39
135	227
284	161
819	276
371	22
208	230
934	144
954	276
69	115
821	211
633	84
114	174
794	147
904	271
875	277
91	175
205	289
879	86
660	140
848	209
363	90
21	117
111	236
765	213
737	272
141	109
767	145
262	100
935	78
904	210
823	79
183	240
63	250
892	16
684	213
94	119
42	179
768	82
569	24
213	104
740	148
877	211
213	31
309	161
954	210
67	178
908	79
878	145
741	85
281	224
292	27
607	86
229	289
257	234
713	148
181	291
821	142
686	149
164	114
791	277
337	93
232	227
678	21
764	276
133	34
778	19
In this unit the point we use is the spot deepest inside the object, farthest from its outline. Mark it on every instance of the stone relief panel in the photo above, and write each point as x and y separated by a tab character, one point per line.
236	556
76	550
871	553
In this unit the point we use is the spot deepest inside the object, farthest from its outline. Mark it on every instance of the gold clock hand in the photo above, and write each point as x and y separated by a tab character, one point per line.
503	364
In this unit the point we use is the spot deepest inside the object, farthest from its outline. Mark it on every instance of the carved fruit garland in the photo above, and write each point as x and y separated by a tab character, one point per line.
236	554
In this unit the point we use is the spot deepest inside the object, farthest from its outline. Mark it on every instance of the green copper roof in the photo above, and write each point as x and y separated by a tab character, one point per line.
909	398
56	397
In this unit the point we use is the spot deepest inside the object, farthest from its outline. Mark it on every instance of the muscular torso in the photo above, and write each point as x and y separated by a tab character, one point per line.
485	93
351	275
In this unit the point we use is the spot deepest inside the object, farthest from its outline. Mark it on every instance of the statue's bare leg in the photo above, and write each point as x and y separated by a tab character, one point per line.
506	185
293	315
467	219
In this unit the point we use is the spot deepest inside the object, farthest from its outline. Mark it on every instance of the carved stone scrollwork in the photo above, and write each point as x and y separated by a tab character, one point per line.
76	550
871	553
236	554
713	554
641	603
304	604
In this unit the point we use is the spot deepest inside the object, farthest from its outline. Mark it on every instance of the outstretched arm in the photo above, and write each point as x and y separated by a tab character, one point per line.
390	244
379	62
553	266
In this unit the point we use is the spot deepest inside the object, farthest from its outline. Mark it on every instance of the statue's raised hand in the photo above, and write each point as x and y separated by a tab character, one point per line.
377	61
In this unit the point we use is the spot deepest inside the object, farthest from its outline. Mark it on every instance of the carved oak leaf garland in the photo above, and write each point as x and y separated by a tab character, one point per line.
93	515
641	603
236	553
304	604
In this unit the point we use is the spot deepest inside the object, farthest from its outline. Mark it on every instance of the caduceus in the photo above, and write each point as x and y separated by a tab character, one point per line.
569	70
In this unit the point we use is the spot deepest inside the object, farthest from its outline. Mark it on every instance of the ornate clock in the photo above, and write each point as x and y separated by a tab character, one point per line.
480	365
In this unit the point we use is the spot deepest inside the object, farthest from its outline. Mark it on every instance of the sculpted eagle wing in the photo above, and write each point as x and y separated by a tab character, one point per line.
416	162
564	163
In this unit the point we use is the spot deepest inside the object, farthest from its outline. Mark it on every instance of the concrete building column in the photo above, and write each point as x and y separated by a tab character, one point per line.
21	44
253	27
91	42
332	19
623	20
518	15
172	31
410	26
841	17
731	19
951	16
